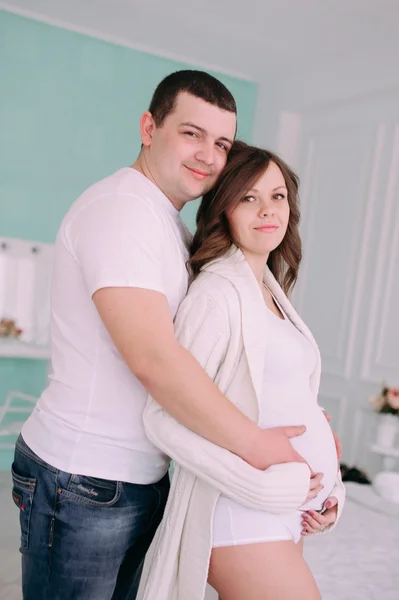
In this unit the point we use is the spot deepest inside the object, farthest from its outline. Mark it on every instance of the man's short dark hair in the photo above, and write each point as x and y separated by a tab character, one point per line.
197	83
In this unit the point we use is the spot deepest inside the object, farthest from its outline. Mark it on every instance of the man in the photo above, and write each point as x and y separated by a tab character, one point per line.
90	485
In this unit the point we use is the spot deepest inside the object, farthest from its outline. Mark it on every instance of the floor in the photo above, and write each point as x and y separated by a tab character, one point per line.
10	588
358	561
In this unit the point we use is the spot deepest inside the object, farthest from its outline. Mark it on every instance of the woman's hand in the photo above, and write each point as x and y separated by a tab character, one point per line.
315	522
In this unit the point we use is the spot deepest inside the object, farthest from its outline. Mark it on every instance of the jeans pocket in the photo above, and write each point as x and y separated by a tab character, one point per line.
91	491
23	490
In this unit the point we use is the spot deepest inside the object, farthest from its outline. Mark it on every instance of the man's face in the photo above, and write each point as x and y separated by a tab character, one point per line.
187	153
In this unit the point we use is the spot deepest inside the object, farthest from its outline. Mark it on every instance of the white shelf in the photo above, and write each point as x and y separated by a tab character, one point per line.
12	348
385	451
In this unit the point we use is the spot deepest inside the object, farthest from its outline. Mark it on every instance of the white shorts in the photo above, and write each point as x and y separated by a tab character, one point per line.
234	524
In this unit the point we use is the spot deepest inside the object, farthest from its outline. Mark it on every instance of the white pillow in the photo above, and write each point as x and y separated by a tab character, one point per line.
386	484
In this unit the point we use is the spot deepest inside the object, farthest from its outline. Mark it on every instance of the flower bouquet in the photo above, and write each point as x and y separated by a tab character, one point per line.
386	403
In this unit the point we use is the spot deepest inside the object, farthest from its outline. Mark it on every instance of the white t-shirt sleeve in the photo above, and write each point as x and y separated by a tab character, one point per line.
117	241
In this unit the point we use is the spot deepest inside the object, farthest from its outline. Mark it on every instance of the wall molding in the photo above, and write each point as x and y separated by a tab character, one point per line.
362	264
340	361
374	339
306	231
393	253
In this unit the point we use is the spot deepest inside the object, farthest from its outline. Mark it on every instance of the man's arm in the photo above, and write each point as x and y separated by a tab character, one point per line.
118	242
141	326
280	488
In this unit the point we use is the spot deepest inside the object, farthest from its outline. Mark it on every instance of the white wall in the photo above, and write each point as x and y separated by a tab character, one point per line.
344	142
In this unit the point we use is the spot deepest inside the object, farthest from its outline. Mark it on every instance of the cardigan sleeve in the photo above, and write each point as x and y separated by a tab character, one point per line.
281	488
339	491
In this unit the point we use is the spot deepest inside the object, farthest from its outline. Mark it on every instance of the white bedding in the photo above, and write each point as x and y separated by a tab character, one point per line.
360	559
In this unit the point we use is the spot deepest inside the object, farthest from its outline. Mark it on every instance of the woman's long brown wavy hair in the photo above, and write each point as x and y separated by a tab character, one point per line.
213	237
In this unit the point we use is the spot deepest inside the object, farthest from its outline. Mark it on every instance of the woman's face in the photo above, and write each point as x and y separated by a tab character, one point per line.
259	222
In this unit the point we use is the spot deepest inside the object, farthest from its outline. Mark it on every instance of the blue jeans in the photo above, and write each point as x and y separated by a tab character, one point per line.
82	538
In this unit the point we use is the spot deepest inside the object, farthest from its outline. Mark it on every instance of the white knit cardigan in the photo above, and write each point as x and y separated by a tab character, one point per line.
223	323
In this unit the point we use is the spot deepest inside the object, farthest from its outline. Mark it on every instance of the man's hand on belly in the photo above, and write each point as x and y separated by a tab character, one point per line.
274	445
278	449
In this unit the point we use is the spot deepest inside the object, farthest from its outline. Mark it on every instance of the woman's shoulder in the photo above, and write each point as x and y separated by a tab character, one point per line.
206	312
214	288
212	283
210	297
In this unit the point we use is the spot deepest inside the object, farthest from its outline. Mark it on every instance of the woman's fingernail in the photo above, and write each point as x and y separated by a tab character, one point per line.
327	504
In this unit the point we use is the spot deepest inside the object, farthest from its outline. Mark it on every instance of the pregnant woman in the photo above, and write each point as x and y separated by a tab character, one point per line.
226	522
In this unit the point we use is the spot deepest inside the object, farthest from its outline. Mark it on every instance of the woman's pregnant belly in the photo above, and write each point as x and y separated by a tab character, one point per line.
236	524
316	445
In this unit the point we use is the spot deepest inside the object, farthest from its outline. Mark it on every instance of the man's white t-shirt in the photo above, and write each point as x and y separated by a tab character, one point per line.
121	232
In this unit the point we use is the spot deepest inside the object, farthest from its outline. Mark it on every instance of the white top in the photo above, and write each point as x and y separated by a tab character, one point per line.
287	399
222	322
121	232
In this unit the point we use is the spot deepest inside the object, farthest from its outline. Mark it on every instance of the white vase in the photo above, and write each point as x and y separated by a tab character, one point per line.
387	429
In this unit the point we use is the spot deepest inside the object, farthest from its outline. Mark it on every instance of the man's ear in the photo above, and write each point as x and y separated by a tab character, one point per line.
147	126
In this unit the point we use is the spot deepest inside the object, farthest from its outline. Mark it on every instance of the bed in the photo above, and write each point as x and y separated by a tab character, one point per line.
360	559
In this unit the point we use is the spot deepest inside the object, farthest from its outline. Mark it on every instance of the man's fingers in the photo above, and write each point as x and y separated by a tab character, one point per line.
315	486
316	489
313	493
297	457
294	430
316	480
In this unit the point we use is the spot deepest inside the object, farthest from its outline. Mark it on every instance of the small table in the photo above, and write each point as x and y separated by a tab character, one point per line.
390	456
15	348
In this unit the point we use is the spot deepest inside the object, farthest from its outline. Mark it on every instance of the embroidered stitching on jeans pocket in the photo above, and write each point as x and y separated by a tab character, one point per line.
65	495
17	499
22	494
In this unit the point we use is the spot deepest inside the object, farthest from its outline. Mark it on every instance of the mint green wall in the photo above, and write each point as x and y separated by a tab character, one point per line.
69	115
